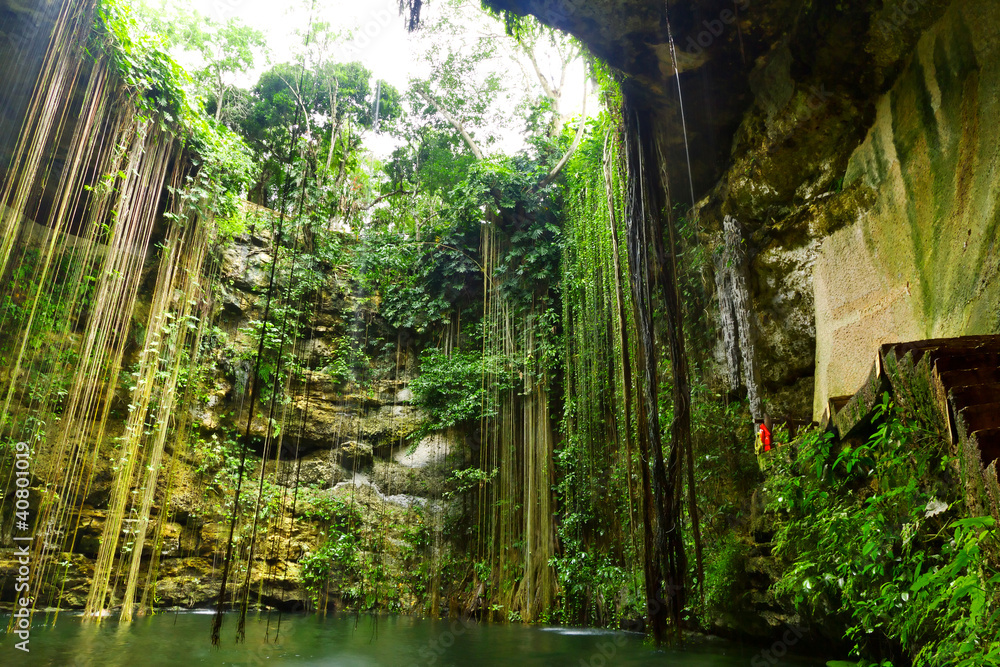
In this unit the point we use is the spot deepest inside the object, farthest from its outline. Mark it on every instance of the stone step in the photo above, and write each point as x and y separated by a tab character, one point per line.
974	394
989	444
965	378
981	417
967	361
943	347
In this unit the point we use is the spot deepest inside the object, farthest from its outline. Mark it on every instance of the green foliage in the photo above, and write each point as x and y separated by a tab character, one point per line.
416	552
339	552
726	470
597	568
450	387
513	22
337	514
298	277
435	158
595	588
217	463
225	51
225	168
350	557
725	575
417	284
37	313
303	121
343	363
228	228
277	358
142	62
470	479
869	532
527	220
160	87
337	555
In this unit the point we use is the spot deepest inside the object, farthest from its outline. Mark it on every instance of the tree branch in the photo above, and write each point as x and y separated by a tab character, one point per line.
576	140
343	163
219	101
453	121
546	86
379	200
298	99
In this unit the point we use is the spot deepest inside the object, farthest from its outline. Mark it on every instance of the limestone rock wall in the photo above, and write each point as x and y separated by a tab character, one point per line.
348	431
923	261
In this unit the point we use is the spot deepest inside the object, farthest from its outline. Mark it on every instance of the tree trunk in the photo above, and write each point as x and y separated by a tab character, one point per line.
643	227
334	91
455	123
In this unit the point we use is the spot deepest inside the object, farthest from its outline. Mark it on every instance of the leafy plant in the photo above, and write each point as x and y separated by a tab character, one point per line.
868	533
450	387
337	555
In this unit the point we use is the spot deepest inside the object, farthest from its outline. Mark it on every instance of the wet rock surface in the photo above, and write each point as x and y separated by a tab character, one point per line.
338	447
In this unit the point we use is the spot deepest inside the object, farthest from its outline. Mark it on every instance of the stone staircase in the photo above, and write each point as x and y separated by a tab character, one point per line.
962	377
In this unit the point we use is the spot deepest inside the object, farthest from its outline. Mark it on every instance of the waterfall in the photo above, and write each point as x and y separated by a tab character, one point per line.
731	265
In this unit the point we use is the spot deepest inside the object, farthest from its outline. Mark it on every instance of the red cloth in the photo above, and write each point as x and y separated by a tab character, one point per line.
765	436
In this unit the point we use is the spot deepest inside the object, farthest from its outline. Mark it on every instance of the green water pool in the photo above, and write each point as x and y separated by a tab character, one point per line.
369	641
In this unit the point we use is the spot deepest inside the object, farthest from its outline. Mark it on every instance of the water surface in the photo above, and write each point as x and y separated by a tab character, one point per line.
349	641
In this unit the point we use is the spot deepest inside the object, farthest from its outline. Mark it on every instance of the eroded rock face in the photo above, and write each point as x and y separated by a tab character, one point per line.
320	470
356	455
716	43
792	133
432	450
859	207
336	448
923	261
787	186
421	470
322	415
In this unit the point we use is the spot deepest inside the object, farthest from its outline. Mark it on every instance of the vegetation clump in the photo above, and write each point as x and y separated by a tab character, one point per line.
876	537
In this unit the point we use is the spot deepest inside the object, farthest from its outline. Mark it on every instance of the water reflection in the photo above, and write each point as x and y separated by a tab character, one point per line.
169	639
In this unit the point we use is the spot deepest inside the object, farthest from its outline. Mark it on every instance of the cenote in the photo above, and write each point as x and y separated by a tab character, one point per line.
365	640
561	316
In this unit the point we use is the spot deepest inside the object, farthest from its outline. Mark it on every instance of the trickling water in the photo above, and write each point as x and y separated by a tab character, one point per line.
736	312
727	316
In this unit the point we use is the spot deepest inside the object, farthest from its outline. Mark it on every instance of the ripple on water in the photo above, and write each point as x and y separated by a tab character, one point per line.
581	632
